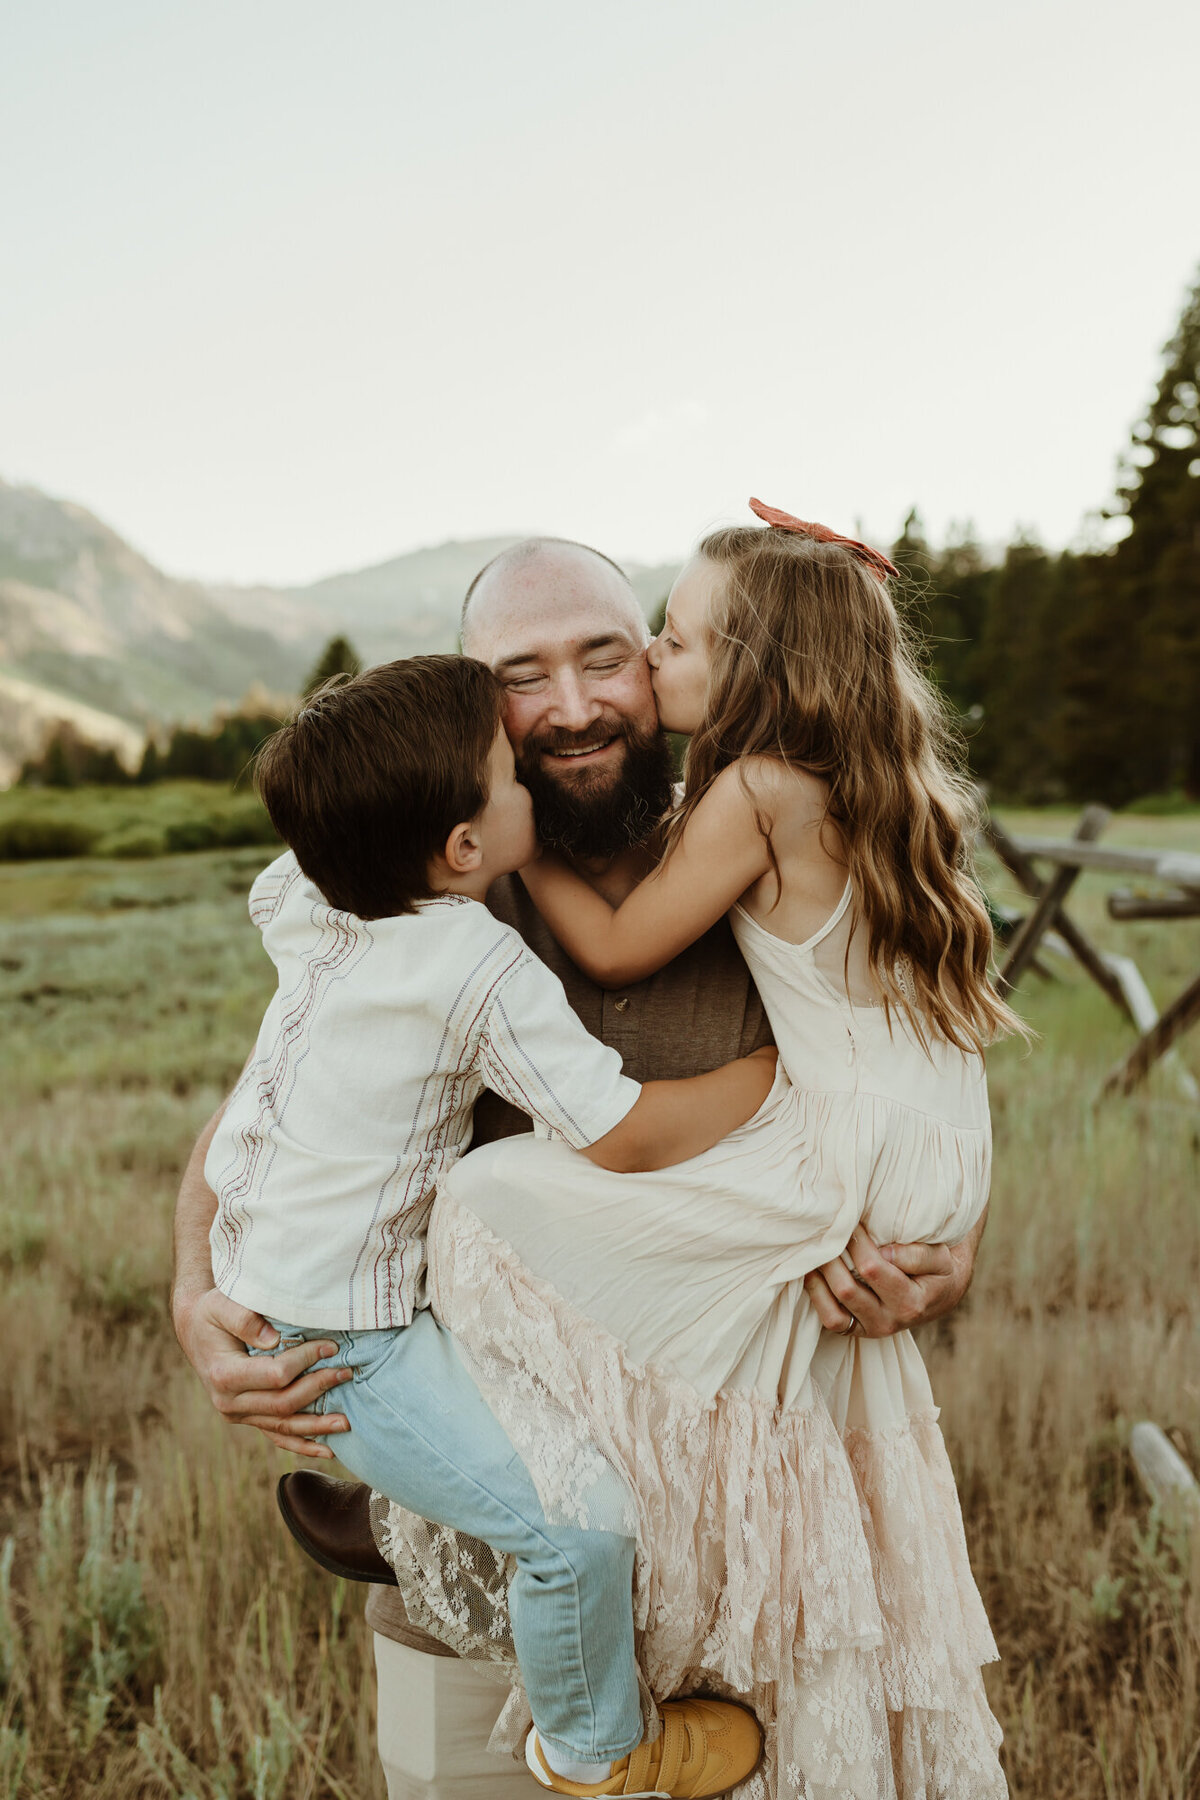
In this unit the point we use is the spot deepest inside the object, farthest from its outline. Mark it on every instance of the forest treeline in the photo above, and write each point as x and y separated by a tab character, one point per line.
1078	676
1075	676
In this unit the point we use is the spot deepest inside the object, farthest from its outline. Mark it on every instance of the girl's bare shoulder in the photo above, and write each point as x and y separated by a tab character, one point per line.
780	789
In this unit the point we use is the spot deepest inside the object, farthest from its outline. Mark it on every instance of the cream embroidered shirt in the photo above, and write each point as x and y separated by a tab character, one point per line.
359	1094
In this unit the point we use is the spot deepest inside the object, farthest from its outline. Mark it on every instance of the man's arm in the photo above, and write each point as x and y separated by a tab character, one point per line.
268	1392
896	1286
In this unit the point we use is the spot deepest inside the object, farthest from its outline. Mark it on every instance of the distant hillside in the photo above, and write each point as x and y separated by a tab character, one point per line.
401	607
409	604
87	622
91	630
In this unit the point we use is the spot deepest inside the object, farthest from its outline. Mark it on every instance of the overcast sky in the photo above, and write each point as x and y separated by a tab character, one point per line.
291	287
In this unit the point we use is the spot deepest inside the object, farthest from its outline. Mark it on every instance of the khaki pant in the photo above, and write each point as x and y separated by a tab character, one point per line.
435	1717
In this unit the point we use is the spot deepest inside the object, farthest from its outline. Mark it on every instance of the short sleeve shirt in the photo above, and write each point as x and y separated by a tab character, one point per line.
381	1038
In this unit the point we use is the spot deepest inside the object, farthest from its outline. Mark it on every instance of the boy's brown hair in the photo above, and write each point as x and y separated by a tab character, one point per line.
369	779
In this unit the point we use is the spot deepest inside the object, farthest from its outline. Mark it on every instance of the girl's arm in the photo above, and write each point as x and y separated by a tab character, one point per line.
722	852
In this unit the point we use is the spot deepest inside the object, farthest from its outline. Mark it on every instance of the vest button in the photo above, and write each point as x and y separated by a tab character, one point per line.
622	1005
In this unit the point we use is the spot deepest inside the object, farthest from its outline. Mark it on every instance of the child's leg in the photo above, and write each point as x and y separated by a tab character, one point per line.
421	1434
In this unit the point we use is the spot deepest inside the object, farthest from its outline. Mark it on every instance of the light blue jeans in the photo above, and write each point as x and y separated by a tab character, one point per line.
421	1433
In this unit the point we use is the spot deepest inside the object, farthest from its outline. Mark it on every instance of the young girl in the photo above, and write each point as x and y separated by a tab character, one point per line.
799	1538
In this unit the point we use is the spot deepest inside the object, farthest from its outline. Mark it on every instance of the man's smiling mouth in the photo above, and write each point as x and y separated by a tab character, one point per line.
582	750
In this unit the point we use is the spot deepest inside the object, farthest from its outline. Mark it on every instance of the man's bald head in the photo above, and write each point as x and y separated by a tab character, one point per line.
562	628
539	578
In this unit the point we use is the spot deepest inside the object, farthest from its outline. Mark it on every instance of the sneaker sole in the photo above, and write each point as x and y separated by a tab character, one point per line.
535	1769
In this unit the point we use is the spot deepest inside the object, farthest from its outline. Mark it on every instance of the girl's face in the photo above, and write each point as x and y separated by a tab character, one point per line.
678	657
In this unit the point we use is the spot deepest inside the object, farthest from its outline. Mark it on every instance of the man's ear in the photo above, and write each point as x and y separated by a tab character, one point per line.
463	852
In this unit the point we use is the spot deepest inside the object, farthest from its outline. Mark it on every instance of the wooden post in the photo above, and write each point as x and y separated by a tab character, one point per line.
1023	947
1142	1010
1179	1016
1163	1472
1018	864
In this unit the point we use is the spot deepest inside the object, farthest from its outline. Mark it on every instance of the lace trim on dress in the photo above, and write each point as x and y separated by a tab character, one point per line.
826	1584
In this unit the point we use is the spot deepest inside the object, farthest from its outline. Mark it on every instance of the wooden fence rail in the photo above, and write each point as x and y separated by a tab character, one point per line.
1118	976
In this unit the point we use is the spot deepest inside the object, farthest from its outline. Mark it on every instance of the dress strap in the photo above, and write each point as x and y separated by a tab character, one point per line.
809	943
833	921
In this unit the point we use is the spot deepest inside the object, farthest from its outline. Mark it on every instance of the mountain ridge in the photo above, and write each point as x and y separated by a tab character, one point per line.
93	631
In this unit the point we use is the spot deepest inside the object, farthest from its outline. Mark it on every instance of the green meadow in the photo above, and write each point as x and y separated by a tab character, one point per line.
159	1633
129	823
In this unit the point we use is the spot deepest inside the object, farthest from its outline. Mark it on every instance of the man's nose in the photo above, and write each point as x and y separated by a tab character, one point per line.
573	706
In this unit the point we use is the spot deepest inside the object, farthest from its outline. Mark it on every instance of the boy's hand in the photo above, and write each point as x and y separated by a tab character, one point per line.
268	1392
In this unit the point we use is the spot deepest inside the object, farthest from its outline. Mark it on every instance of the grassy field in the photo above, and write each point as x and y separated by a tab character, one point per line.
159	1635
130	823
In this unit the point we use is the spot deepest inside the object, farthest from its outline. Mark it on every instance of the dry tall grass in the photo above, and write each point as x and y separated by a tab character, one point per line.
158	1633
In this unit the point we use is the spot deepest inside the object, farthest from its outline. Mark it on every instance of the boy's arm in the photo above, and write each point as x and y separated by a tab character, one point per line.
722	852
268	1392
535	1052
672	1121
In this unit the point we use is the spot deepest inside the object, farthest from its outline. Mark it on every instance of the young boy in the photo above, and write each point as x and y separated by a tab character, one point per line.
399	999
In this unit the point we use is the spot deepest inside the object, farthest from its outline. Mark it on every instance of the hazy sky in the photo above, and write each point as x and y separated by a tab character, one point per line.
290	287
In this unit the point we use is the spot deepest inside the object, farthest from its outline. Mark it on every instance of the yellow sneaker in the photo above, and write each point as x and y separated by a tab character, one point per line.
705	1748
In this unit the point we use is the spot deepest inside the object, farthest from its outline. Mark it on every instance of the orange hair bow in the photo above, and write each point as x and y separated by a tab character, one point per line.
875	560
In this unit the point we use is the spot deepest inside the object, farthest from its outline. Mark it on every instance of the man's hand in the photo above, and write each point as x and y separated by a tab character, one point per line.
268	1392
875	1292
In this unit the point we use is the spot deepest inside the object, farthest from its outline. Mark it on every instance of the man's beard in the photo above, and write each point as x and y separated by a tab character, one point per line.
597	813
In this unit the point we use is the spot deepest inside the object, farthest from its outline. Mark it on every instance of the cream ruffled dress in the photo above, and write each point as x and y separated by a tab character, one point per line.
800	1543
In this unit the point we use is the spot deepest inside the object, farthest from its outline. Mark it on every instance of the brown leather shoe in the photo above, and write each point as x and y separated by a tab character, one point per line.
331	1520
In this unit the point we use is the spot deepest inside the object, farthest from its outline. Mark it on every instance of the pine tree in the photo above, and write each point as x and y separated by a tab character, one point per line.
100	766
58	768
1018	667
1159	562
150	768
337	658
1131	721
956	614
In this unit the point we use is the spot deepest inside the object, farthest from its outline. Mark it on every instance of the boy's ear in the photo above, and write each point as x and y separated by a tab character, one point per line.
463	852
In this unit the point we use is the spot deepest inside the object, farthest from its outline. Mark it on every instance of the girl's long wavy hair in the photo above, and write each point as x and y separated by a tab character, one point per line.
809	664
